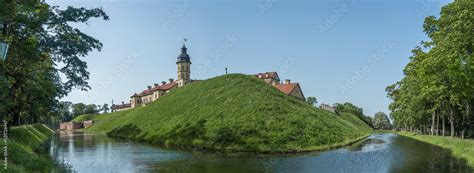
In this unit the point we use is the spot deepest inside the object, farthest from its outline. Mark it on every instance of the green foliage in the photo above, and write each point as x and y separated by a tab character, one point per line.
232	112
438	81
81	108
44	59
105	108
354	110
312	101
381	121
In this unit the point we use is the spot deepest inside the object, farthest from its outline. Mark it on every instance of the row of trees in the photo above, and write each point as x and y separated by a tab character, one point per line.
67	110
44	59
438	85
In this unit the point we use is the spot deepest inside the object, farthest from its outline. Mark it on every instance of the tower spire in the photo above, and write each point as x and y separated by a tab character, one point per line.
184	49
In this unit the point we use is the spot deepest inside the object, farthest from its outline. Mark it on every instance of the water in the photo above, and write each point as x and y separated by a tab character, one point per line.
377	153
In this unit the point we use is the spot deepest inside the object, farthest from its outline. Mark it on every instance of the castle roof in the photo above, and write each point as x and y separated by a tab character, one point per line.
267	75
126	105
184	57
164	87
286	88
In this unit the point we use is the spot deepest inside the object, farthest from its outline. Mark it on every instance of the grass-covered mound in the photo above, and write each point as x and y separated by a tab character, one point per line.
83	117
232	112
25	150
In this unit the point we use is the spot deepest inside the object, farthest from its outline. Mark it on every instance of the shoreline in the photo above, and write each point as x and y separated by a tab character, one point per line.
230	151
460	148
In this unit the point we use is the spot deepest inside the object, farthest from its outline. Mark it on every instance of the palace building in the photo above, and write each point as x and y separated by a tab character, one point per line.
183	63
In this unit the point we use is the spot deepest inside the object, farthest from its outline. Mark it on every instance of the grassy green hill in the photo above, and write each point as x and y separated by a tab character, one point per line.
25	151
232	112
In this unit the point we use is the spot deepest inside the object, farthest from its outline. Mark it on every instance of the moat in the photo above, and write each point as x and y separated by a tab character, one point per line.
378	153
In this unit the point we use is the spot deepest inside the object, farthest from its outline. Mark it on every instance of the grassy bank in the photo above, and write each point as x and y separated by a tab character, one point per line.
460	148
231	113
26	149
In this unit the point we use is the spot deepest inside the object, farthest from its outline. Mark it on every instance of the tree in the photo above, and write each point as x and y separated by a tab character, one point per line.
352	109
438	82
91	109
105	108
381	121
312	101
78	109
44	59
64	111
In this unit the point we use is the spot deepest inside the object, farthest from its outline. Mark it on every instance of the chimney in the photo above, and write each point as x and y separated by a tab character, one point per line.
171	80
163	82
149	87
287	81
156	84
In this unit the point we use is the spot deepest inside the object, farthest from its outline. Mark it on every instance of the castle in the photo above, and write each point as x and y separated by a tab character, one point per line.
183	63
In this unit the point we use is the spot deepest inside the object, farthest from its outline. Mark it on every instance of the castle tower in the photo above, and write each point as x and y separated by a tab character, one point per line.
184	67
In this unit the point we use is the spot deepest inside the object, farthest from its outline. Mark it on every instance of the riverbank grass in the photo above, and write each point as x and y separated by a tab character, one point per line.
25	150
231	113
459	147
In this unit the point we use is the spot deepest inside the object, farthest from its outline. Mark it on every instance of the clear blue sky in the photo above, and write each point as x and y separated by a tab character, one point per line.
346	50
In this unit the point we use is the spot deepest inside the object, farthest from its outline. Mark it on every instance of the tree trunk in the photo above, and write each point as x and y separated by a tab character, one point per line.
451	121
433	118
462	133
443	123
437	125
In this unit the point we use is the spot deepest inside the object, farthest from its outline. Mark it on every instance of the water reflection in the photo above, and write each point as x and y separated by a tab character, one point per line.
378	153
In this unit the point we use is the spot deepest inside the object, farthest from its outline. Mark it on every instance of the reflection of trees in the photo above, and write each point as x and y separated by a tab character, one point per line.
424	157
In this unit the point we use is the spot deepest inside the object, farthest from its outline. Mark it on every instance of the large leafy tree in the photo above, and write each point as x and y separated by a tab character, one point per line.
381	121
45	57
438	82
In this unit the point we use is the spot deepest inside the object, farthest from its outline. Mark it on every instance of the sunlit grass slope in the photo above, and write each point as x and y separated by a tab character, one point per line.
24	149
234	113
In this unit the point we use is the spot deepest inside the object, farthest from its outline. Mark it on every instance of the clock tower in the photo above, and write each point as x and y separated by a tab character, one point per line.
184	67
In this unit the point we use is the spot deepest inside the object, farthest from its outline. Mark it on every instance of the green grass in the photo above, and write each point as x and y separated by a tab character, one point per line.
460	148
83	117
26	150
232	113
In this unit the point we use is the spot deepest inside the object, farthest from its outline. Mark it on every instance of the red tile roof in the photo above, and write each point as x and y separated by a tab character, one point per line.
286	88
126	105
266	75
164	87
